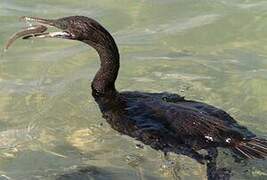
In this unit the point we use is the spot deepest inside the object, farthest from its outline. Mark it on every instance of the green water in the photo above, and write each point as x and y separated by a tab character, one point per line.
214	51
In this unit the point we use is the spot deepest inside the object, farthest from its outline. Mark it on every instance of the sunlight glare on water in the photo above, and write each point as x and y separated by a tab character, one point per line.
207	50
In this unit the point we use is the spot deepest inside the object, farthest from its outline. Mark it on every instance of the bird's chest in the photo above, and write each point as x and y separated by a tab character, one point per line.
136	122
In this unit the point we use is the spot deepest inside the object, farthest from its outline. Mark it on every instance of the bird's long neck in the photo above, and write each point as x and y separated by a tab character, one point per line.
104	80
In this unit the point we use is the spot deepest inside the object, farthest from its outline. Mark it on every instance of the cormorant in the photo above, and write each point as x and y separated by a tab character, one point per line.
164	121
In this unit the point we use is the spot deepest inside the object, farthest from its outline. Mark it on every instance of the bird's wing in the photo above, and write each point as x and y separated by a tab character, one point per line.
187	121
214	114
187	118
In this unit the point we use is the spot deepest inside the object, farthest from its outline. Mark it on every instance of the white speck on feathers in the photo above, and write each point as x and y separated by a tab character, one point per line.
209	138
228	140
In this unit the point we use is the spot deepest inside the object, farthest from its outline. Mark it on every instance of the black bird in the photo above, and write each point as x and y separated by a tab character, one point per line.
164	121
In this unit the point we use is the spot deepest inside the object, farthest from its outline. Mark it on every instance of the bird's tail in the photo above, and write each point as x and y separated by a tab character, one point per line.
254	148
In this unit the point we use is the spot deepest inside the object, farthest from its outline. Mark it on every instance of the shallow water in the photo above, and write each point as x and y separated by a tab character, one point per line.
50	127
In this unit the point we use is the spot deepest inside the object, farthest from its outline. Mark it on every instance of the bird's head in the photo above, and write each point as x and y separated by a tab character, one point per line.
79	28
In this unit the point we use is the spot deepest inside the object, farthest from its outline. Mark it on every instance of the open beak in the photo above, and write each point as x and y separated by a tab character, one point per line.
38	31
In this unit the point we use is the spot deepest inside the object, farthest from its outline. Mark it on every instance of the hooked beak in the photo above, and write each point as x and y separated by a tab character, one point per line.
39	30
47	23
43	21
